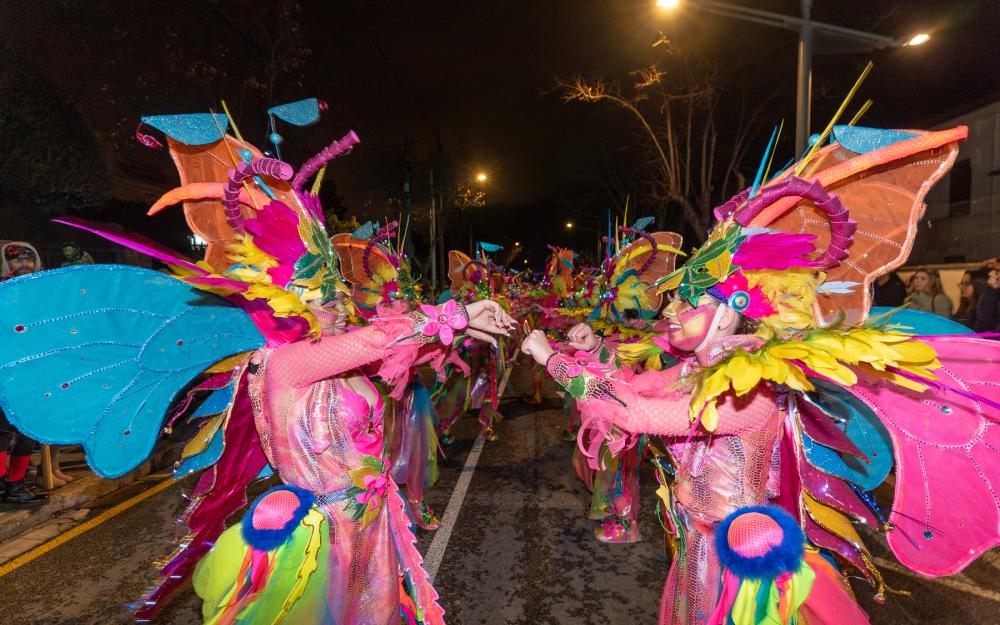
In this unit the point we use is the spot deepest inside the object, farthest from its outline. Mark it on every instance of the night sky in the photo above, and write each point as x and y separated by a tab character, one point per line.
475	80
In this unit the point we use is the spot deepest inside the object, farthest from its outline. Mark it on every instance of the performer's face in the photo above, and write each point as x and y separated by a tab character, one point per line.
689	325
332	317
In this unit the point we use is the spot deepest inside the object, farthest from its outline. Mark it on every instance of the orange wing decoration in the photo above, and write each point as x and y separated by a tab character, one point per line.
636	255
204	171
367	291
457	262
884	191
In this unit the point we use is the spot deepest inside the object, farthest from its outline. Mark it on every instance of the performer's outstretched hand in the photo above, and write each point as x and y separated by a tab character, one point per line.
487	318
581	336
537	346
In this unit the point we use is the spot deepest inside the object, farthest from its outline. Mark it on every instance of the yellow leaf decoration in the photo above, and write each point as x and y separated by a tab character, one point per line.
719	267
834	353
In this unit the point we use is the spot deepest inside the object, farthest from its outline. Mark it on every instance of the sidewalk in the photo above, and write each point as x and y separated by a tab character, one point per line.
22	529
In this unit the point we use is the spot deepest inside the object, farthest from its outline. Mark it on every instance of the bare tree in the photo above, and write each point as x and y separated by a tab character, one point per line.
694	163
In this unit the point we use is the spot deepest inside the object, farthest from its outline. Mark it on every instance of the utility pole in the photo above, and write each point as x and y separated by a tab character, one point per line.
433	236
407	193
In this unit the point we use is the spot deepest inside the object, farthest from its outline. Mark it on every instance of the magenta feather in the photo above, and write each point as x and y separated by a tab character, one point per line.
775	250
133	241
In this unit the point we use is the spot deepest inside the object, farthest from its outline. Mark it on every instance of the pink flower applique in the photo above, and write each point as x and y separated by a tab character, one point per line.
444	321
584	362
375	487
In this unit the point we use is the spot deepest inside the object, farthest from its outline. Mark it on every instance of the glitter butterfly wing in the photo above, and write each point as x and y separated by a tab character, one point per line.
97	354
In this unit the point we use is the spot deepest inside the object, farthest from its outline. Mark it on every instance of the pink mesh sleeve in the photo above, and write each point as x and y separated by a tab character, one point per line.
395	340
646	404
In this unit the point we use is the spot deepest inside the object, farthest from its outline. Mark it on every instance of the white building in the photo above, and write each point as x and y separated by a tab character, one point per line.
962	222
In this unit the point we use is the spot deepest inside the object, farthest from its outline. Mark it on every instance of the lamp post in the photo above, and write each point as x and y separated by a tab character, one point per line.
806	27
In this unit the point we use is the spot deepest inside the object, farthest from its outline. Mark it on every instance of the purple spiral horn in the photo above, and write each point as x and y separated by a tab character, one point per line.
842	228
330	152
270	167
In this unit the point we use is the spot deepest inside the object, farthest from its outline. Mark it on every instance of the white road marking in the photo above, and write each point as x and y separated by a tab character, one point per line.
950	582
435	554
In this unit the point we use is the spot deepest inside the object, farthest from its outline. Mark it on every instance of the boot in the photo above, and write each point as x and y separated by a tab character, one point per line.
18	494
424	515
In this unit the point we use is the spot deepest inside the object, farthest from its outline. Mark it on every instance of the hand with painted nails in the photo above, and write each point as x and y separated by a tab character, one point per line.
487	318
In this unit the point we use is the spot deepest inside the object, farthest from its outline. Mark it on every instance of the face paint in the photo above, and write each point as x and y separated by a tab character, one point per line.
689	326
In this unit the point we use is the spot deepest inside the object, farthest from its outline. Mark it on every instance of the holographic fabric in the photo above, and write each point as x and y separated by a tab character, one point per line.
715	474
317	432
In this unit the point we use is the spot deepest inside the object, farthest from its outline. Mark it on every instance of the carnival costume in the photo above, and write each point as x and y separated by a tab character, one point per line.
620	296
380	276
473	280
101	354
808	409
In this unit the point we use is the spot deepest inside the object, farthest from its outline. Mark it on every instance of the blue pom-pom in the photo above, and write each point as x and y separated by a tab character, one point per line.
786	557
270	539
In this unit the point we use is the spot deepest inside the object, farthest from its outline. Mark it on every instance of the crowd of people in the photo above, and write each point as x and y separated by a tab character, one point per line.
979	295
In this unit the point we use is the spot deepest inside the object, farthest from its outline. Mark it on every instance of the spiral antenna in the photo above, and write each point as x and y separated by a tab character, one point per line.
340	146
841	226
270	167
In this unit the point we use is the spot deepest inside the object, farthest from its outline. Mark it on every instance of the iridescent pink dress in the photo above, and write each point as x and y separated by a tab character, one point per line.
715	474
316	430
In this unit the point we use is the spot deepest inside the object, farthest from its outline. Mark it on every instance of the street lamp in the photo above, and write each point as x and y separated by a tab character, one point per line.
805	27
569	225
482	177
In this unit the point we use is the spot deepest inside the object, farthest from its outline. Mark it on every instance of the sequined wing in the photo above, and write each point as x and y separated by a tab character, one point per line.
97	354
946	510
369	270
882	181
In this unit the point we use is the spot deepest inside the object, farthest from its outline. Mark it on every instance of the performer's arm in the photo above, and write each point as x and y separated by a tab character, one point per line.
645	405
397	338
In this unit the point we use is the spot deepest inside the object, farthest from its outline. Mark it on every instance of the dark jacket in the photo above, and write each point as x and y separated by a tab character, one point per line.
988	310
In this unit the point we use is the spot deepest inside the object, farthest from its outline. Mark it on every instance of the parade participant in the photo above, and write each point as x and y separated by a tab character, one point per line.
289	391
620	296
16	259
789	400
380	275
473	280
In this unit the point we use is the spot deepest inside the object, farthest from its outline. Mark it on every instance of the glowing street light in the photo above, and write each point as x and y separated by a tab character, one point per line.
916	40
517	244
569	225
806	28
482	177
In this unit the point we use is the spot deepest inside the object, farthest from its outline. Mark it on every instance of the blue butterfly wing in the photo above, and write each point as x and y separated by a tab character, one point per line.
96	354
919	322
862	427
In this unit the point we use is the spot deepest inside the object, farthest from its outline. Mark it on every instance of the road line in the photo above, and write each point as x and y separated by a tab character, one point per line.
950	582
435	554
65	537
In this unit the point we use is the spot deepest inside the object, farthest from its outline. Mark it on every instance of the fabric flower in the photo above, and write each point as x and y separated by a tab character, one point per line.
375	487
444	321
584	362
363	423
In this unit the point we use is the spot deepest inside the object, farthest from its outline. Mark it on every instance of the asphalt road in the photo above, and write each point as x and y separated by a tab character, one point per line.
522	551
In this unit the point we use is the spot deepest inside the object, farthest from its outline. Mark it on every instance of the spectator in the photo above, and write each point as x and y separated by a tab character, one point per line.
988	309
926	293
889	291
971	288
16	259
